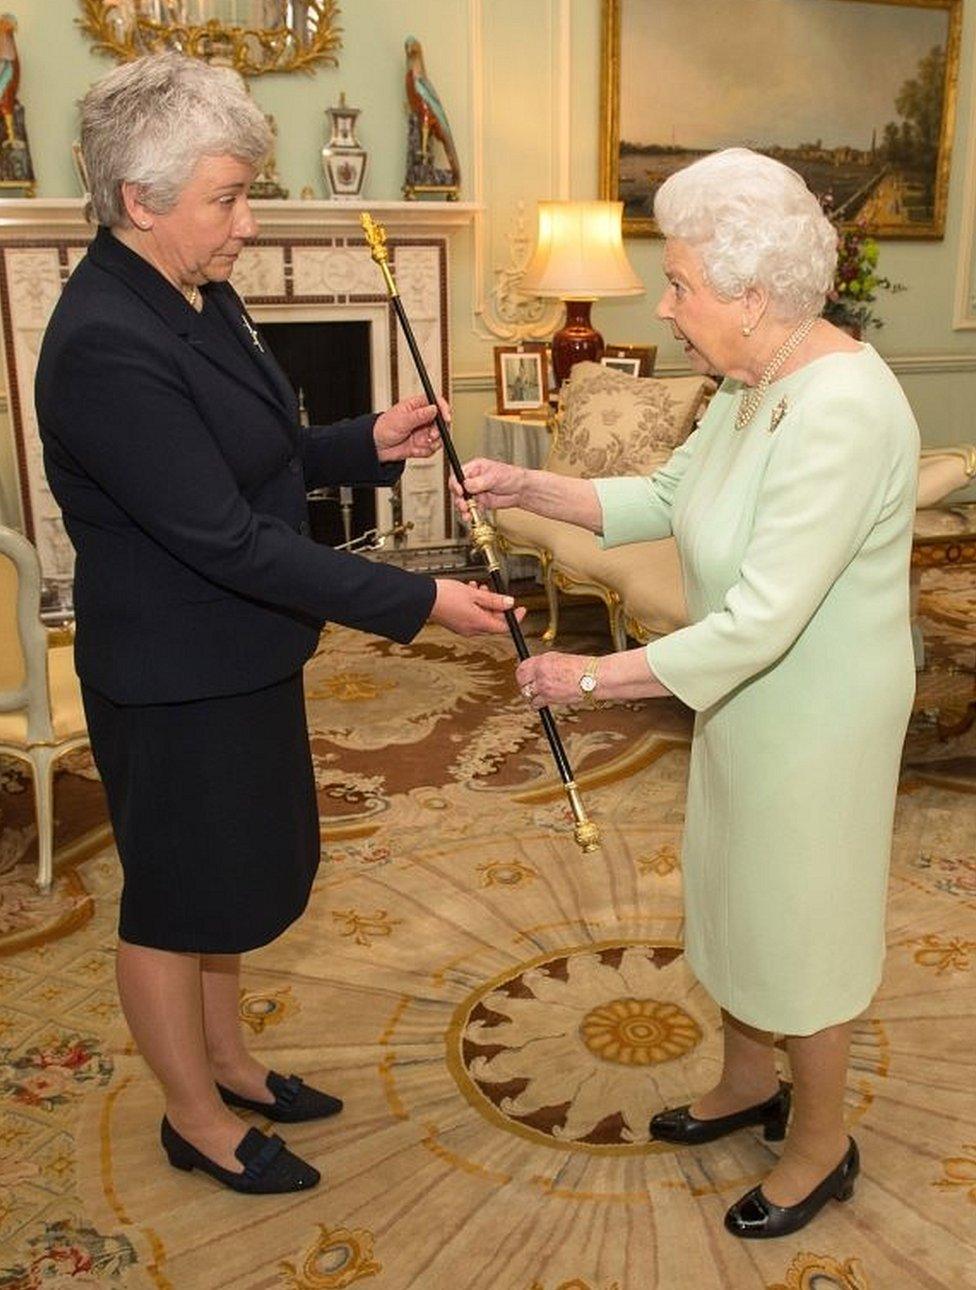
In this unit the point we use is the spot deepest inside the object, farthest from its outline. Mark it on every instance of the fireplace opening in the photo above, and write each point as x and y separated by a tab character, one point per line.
328	364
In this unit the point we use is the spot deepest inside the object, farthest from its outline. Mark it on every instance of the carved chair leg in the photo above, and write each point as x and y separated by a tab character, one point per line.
42	764
552	598
618	630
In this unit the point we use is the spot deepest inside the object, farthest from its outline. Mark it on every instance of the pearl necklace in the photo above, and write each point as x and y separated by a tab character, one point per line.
752	398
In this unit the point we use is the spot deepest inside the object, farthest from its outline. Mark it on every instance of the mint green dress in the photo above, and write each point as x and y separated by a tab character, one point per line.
795	536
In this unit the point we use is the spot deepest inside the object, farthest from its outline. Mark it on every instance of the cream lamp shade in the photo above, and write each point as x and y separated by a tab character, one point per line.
579	257
579	253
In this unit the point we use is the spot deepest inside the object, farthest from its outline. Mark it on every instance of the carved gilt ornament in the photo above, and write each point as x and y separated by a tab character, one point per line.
265	36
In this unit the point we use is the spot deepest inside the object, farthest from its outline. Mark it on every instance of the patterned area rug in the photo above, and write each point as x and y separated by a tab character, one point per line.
502	1016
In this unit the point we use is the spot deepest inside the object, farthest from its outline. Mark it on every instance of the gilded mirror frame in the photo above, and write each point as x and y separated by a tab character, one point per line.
250	51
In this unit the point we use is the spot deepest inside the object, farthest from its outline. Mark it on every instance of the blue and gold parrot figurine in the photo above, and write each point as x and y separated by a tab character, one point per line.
427	108
9	73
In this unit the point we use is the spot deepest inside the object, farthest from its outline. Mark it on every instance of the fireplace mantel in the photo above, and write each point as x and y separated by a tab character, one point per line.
308	263
28	218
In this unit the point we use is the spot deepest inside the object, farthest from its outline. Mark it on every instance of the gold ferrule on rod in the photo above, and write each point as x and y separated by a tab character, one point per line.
483	537
585	832
376	241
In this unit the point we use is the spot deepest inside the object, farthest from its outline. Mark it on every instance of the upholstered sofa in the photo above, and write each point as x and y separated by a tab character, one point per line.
609	423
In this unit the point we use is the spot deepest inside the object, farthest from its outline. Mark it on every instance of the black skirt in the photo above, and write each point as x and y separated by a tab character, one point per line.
214	812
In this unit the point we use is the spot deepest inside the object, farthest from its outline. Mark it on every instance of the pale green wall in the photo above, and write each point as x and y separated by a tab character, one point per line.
520	40
58	63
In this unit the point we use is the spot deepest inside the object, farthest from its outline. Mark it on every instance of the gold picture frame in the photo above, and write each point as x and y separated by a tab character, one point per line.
251	51
893	184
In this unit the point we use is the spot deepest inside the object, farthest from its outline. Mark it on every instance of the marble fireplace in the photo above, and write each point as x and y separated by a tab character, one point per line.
309	263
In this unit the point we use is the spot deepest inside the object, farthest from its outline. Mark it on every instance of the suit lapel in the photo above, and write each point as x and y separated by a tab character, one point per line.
108	253
256	350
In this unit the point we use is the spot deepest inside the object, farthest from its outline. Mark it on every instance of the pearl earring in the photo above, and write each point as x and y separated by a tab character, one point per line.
747	330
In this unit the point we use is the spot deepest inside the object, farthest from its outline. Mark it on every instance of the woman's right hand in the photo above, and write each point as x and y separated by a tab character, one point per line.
493	484
469	609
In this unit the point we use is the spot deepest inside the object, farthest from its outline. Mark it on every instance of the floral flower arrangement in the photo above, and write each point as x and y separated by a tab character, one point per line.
856	283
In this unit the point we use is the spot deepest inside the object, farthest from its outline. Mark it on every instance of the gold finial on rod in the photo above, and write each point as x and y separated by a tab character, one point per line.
376	241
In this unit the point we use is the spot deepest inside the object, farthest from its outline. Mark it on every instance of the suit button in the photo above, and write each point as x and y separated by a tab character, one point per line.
295	466
304	528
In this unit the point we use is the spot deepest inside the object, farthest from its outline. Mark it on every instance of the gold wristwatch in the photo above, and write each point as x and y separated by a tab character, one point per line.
587	682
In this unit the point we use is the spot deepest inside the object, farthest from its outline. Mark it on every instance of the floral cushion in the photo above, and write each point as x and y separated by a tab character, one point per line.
613	424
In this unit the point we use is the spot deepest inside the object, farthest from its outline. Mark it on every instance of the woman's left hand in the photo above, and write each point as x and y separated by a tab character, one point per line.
551	678
408	429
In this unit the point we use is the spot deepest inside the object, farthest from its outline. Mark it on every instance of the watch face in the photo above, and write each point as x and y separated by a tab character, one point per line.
587	684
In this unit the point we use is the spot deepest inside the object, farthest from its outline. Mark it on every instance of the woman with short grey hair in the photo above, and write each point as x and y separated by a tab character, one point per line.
173	445
792	506
150	123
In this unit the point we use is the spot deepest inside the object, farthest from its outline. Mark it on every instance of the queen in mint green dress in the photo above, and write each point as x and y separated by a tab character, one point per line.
794	536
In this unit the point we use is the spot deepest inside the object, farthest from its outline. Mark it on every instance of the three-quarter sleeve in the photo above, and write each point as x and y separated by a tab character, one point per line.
826	485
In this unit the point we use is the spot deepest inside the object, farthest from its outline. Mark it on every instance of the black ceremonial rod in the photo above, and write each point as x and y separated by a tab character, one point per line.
586	833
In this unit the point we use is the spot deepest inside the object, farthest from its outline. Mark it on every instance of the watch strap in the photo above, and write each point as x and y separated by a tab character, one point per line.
587	681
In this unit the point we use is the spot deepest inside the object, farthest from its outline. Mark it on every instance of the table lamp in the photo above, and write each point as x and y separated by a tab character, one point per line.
579	257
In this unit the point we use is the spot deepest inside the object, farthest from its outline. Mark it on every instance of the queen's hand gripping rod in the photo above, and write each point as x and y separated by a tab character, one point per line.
586	833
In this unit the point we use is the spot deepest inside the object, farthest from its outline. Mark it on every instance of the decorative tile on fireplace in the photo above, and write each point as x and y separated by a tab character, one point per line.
311	266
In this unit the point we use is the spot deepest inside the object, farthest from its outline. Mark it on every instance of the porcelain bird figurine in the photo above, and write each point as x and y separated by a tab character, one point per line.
428	112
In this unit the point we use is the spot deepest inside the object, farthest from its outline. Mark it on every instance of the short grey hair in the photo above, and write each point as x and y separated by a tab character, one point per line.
150	121
755	223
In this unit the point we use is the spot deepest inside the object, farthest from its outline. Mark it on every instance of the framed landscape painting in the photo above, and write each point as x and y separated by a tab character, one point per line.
857	95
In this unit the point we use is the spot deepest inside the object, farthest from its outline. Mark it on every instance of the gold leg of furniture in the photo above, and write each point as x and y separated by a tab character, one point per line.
618	628
552	599
611	600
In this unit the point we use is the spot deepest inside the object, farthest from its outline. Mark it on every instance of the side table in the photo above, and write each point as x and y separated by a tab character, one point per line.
521	443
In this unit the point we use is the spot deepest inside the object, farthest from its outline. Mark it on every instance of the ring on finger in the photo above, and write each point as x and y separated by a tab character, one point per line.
528	690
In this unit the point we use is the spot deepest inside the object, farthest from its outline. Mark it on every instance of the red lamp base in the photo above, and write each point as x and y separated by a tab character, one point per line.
576	341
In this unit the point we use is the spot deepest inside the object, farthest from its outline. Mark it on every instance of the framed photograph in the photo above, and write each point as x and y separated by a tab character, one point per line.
521	377
629	365
868	123
637	360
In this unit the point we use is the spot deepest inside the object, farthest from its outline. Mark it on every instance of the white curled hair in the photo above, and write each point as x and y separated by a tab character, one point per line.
150	121
755	223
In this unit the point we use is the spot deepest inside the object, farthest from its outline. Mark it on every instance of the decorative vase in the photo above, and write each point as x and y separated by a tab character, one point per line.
343	160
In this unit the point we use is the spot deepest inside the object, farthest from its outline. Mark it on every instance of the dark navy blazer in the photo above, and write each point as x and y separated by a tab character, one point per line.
175	453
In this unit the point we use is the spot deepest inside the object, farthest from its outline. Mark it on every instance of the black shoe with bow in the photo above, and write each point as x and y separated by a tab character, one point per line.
294	1100
756	1218
268	1164
679	1125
